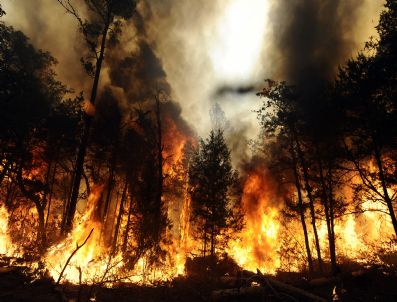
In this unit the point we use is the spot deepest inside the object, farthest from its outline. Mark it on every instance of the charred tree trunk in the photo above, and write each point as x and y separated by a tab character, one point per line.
160	162
382	179
111	180
36	192
332	216
301	208
205	242
10	193
326	201
128	225
311	201
212	241
41	234
50	195
109	192
119	216
85	137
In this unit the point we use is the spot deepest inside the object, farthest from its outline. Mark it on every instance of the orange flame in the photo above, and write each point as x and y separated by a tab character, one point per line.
6	245
258	242
85	257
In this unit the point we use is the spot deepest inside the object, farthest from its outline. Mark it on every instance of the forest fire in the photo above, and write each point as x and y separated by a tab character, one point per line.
137	166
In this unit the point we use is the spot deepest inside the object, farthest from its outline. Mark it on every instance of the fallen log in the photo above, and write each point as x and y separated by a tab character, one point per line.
297	292
269	287
294	291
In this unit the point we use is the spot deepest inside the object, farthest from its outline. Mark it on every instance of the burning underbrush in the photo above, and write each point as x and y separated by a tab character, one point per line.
268	242
135	221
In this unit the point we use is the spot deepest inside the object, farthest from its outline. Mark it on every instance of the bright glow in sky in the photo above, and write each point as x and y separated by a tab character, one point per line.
239	37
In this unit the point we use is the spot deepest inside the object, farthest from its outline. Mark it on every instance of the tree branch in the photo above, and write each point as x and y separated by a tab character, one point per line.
71	256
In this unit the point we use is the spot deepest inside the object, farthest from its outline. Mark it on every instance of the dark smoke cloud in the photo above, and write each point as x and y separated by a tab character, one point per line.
312	38
132	72
139	74
136	73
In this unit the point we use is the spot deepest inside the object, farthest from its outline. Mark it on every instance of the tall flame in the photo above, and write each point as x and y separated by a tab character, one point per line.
57	257
257	246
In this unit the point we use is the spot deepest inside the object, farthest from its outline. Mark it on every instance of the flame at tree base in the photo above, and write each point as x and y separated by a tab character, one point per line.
268	241
94	262
257	244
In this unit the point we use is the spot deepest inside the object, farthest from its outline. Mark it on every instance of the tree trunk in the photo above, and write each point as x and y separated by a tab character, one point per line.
41	235
301	209
50	196
160	184
387	198
212	241
119	216
104	213
85	138
327	203
311	201
111	179
9	194
127	227
332	217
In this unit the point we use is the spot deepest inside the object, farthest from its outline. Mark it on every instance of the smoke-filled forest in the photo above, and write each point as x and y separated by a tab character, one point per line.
222	150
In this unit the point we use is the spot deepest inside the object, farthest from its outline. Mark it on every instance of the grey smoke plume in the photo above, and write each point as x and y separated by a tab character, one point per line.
184	47
304	43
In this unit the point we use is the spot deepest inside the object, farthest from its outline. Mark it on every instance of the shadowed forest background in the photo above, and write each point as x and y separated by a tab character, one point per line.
119	176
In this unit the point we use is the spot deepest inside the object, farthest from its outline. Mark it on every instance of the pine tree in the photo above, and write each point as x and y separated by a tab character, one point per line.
215	204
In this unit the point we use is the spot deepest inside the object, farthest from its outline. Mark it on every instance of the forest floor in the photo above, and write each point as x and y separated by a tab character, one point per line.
375	283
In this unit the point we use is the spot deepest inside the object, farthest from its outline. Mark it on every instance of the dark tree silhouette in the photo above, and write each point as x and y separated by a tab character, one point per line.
366	88
215	210
37	125
99	31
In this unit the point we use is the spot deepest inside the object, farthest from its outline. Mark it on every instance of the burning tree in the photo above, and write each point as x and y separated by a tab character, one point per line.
99	32
366	88
38	127
215	206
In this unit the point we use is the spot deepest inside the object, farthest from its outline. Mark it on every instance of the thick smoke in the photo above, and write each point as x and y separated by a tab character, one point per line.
49	28
311	38
304	43
182	47
136	74
132	73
